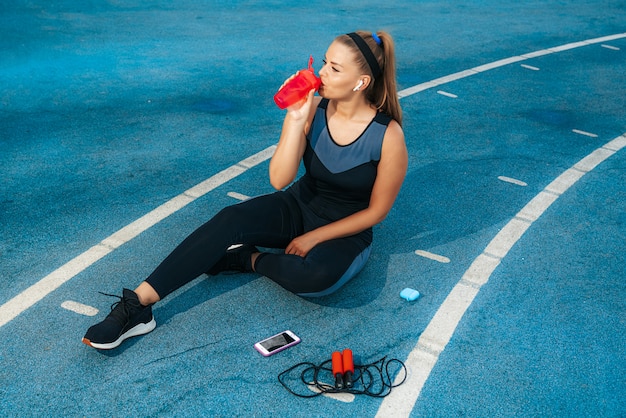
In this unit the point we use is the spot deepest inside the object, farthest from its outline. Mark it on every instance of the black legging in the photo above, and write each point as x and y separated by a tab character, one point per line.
270	221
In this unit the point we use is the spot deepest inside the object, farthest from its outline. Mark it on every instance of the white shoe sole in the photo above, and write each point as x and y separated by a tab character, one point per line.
139	329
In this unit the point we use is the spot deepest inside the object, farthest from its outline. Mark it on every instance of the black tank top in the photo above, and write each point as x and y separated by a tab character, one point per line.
339	178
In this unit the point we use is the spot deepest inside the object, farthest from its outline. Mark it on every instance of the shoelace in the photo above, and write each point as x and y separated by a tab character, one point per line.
120	310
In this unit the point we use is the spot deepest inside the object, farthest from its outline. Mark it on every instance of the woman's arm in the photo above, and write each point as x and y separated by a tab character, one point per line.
390	175
292	143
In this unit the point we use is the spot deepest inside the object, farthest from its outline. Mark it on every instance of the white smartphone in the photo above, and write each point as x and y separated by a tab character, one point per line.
276	343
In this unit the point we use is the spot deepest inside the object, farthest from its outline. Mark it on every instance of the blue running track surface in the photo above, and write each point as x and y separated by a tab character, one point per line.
125	125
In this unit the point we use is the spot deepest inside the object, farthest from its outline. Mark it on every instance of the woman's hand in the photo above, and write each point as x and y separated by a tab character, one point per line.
301	245
300	111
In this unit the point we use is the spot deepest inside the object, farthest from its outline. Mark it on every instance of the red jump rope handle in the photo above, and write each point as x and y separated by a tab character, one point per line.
338	369
348	367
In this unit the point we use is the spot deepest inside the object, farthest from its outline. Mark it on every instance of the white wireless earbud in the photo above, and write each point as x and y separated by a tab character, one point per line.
358	86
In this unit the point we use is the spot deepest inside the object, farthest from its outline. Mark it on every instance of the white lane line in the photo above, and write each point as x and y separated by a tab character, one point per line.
496	64
445	93
79	308
512	181
614	48
238	196
432	256
529	67
579	132
51	282
437	334
340	396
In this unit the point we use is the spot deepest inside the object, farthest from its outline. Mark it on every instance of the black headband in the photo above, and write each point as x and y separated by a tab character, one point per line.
367	53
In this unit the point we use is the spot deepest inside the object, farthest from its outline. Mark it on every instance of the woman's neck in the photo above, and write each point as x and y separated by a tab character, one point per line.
355	109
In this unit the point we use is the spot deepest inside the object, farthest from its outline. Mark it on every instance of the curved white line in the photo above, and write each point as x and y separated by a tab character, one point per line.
36	292
433	340
496	64
33	294
437	334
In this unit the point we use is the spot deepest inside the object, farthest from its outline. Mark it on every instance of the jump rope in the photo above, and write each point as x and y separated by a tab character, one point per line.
372	379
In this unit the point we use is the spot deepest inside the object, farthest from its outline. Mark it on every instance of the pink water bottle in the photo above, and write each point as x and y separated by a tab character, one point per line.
298	87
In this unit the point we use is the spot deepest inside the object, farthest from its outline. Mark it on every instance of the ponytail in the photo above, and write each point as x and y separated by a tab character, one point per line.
383	90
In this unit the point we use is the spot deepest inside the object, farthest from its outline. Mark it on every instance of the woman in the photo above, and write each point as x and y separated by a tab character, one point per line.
351	141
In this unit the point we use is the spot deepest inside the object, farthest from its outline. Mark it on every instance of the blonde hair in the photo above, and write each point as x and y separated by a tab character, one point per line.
383	90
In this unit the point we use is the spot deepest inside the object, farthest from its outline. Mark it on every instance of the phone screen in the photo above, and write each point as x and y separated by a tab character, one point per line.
276	342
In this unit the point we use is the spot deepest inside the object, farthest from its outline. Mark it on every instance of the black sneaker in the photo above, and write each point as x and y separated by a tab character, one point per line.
236	259
128	318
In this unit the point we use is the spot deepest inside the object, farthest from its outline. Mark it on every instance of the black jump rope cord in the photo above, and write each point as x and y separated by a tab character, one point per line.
371	379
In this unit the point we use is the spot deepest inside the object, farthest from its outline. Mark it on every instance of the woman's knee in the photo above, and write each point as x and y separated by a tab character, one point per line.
230	214
330	280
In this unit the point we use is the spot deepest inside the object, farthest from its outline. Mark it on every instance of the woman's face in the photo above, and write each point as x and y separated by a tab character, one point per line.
340	73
